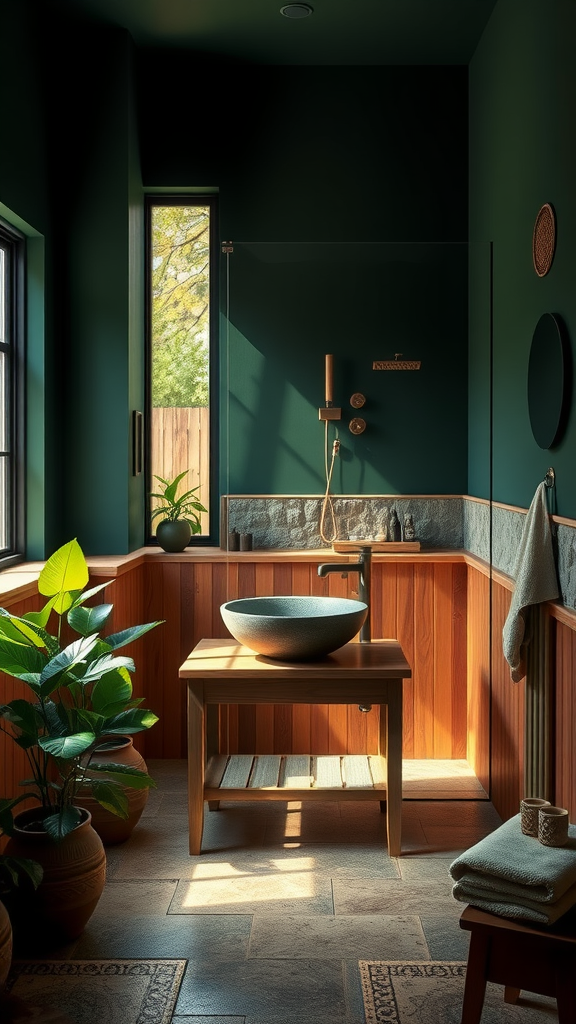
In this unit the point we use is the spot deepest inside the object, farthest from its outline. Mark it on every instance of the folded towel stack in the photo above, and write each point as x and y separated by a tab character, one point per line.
513	875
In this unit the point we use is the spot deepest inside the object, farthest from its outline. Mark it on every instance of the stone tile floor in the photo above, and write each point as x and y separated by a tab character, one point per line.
283	901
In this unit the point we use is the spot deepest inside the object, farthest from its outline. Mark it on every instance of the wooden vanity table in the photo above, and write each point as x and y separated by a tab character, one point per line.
222	671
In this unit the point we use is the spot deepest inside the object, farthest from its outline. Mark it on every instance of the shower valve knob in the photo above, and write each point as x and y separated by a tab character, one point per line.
357	400
357	425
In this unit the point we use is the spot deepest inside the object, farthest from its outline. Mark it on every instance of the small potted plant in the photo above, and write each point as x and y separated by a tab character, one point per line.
80	692
179	515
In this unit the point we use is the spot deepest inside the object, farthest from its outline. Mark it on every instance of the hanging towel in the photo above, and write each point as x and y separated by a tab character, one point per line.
513	875
536	581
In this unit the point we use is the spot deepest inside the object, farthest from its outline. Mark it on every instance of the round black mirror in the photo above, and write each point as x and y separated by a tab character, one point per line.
548	381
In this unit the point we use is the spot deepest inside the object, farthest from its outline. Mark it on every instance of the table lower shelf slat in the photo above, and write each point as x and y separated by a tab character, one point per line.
292	776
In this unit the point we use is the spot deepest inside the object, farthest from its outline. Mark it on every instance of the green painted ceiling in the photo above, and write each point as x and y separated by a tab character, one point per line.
339	32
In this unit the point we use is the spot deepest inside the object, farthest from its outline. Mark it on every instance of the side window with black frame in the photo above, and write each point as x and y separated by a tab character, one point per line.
12	394
182	354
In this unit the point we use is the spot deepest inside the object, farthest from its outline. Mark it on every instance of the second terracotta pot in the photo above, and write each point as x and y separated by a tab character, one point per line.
110	827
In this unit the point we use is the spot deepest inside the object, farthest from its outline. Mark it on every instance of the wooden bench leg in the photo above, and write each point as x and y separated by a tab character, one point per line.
511	995
476	972
566	992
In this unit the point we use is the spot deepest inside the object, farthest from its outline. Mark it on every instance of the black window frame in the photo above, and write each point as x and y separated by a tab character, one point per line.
212	538
14	242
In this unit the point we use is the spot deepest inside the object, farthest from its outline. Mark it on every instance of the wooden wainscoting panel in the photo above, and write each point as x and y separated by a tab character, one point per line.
338	584
404	628
565	764
459	674
13	761
423	604
507	717
478	673
154	666
423	665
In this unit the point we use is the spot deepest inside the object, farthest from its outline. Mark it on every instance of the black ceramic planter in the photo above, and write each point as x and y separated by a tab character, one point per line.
173	535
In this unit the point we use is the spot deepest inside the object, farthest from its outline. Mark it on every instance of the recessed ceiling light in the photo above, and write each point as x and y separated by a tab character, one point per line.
296	10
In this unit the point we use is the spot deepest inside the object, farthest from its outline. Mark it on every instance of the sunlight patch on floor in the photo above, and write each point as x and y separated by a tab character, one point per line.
440	779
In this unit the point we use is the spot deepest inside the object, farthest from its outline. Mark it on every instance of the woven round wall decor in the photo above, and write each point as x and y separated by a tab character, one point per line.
544	240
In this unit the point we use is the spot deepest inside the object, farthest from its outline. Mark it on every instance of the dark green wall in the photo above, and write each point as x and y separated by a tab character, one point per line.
522	154
369	164
70	179
359	178
24	202
97	188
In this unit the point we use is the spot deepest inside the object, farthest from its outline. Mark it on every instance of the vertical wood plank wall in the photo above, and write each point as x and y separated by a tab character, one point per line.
564	632
448	616
507	717
423	605
478	696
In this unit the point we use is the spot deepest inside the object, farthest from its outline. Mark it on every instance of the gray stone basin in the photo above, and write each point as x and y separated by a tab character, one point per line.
293	628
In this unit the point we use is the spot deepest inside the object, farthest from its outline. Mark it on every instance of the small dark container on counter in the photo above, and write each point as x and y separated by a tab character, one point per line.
234	541
245	542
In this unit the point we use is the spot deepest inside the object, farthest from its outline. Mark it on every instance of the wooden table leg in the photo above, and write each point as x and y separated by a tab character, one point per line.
196	764
391	721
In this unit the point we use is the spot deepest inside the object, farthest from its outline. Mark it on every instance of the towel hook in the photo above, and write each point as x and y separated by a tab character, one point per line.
550	478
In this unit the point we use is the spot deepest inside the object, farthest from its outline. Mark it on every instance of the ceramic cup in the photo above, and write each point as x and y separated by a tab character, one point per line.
529	807
553	826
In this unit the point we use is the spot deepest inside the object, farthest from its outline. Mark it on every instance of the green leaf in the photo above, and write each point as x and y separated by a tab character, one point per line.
67	747
7	812
75	654
89	620
61	824
109	795
40	618
17	659
89	720
104	665
19	866
126	636
20	631
124	773
22	716
85	595
64	572
109	691
135	720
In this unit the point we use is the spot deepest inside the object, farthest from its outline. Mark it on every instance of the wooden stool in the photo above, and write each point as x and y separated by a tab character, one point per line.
520	956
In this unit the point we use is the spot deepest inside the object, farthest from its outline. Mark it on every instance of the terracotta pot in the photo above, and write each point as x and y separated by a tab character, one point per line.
111	828
5	945
173	535
74	876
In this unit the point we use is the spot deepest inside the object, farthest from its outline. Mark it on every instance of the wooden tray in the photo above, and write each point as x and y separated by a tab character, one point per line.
376	545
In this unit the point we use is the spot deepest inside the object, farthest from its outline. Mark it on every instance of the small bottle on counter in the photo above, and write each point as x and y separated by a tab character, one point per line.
409	531
395	531
233	541
245	542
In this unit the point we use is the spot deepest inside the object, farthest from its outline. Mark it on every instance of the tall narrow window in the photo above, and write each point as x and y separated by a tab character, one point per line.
182	358
11	395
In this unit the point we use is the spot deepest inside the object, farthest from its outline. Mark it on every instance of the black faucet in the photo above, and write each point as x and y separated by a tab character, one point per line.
364	568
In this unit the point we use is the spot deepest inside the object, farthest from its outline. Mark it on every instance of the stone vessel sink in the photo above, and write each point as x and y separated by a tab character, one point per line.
294	628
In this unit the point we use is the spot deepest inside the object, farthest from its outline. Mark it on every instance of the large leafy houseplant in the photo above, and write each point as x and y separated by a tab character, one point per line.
81	691
179	517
